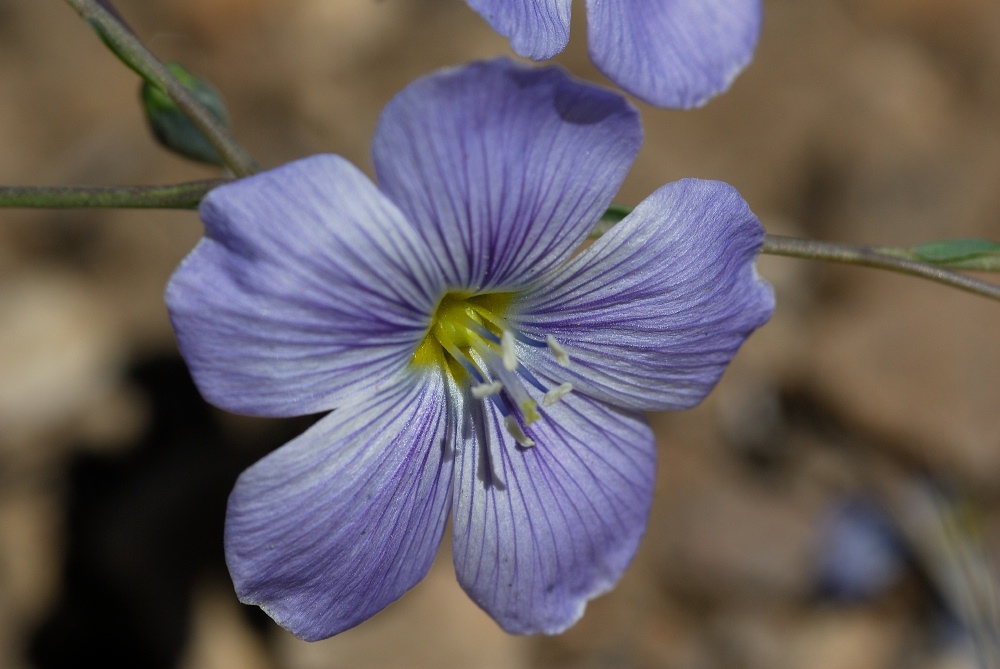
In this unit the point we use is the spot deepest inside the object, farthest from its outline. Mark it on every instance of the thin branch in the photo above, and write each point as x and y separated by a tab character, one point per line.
174	196
868	256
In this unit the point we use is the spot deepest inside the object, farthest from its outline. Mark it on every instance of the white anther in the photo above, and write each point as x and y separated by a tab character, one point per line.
484	390
514	428
529	411
556	394
507	350
562	357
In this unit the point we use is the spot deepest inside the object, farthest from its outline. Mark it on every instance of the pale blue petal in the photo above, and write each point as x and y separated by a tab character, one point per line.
537	29
308	285
335	525
652	313
503	169
673	53
540	531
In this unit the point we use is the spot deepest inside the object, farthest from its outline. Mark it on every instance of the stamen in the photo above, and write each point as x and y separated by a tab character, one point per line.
459	357
557	394
484	390
514	429
557	350
525	339
507	349
531	378
513	388
529	411
488	315
480	330
478	348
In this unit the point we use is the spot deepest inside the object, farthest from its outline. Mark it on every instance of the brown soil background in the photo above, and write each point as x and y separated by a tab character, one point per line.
868	121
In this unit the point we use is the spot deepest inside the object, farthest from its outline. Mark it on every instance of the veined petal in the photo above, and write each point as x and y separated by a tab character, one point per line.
308	285
503	169
673	53
335	525
654	310
540	531
537	29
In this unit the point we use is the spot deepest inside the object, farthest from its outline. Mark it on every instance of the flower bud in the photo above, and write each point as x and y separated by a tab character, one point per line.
172	128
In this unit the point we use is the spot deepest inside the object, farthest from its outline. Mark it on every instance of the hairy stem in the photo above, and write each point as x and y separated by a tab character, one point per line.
174	196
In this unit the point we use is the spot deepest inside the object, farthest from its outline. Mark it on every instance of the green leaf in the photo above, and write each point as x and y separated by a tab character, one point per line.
172	128
611	217
969	254
615	213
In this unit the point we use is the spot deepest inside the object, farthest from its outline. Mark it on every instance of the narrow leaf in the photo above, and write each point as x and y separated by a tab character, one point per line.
969	254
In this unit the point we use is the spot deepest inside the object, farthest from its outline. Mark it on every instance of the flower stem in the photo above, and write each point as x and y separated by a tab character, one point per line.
174	196
878	257
123	42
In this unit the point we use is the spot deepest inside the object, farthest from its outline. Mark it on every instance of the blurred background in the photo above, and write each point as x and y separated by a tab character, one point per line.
832	505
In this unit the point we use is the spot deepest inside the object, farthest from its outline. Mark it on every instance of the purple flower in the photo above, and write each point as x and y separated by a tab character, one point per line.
477	366
670	53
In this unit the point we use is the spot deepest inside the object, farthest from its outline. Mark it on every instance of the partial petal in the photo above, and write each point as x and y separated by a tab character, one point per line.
308	285
329	529
673	53
537	29
504	169
540	531
653	311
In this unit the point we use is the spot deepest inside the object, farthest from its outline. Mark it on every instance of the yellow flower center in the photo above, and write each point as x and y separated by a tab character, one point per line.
469	338
461	323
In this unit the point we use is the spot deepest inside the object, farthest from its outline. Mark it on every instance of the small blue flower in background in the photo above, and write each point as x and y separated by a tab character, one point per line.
478	367
670	53
861	552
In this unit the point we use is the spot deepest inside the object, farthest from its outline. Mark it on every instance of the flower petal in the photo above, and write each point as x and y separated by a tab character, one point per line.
673	53
537	29
653	311
308	285
504	169
540	531
335	525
